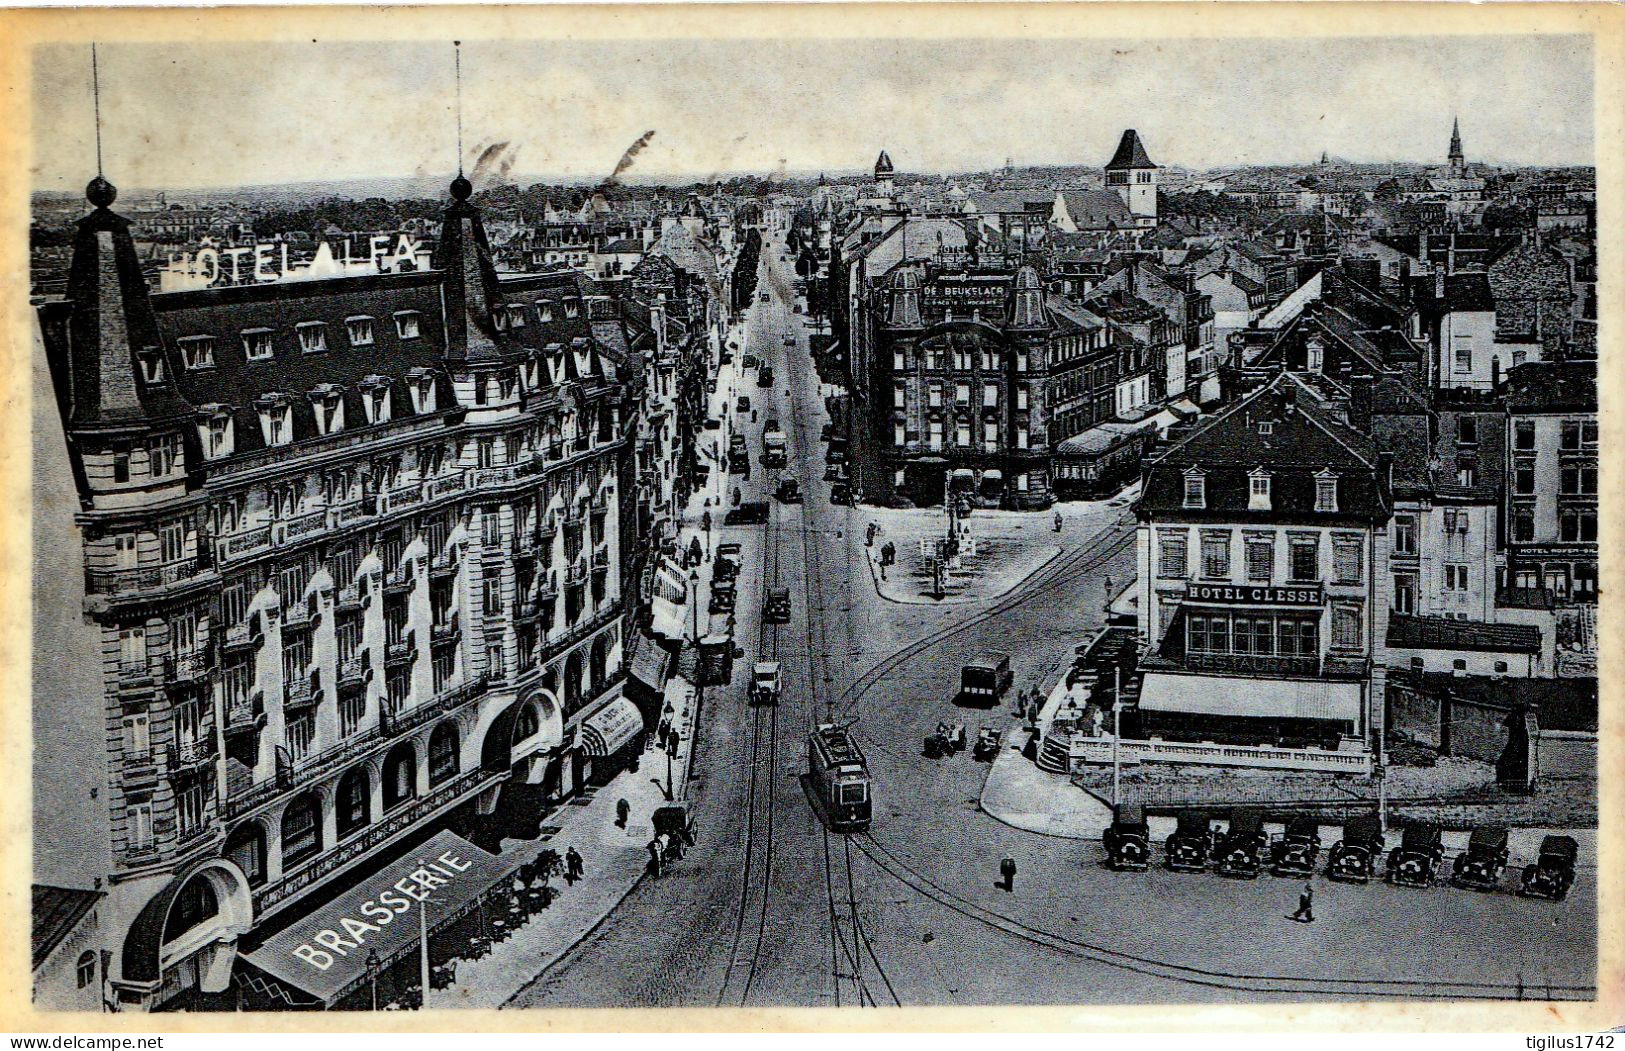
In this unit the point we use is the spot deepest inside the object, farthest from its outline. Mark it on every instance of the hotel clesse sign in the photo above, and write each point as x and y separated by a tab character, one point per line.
1255	594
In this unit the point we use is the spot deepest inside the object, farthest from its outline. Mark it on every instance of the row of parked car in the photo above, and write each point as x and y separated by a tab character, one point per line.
1243	850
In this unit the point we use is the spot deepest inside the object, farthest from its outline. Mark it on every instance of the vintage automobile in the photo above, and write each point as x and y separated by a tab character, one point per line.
1552	874
764	376
1294	853
1241	849
764	682
722	597
712	423
987	744
751	512
790	340
749	361
777	608
763	297
841	493
1354	857
983	679
1484	862
743	404
728	557
945	740
1415	862
1191	843
1128	839
835	472
789	491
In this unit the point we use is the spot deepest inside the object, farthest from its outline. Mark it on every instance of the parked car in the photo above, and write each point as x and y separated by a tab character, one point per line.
1484	862
749	361
835	472
1552	874
722	600
1354	857
841	493
712	423
987	744
1295	852
751	512
764	376
728	558
1128	839
1241	849
1191	843
777	608
743	404
983	679
1415	862
789	491
764	682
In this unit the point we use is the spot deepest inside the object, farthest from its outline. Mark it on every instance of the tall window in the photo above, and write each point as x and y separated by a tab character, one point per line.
1325	492
312	337
1260	558
354	803
138	826
301	830
1258	491
1523	436
899	395
1404	534
1195	489
400	776
1404	593
1348	558
1346	631
1216	554
1172	554
442	754
163	455
1305	564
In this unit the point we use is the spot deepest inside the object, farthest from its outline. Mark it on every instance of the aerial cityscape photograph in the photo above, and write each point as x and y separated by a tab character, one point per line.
809	522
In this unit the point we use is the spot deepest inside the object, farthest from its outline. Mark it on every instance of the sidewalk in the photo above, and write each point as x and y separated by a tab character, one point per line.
615	860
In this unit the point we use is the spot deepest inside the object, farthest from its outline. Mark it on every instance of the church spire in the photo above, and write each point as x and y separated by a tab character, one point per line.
1458	159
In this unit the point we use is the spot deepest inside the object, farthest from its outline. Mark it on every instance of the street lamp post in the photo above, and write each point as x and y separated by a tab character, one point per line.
694	613
1117	731
374	965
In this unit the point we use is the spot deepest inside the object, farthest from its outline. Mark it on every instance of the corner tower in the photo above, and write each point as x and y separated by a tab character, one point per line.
1131	175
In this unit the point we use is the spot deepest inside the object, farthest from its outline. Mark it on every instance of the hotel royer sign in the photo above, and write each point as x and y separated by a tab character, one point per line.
1254	594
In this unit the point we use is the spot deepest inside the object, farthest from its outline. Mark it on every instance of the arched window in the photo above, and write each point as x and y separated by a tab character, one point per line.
600	663
195	903
86	968
400	776
527	724
443	754
572	682
301	830
245	847
354	802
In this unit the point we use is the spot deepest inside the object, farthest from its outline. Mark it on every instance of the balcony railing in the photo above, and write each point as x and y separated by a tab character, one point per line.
318	868
188	755
299	527
242	544
245	713
600	561
296	615
353	672
114	581
298	692
400	579
349	599
403	650
443	564
447	701
404	496
487	477
445	485
243	634
186	667
444	631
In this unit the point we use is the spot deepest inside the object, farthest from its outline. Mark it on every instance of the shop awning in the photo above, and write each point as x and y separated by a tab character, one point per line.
325	953
611	729
1250	698
650	664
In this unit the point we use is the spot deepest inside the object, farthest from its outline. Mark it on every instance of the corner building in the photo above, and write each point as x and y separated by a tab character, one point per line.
352	578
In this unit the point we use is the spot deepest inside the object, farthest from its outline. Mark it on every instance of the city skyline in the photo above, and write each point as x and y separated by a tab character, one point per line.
832	103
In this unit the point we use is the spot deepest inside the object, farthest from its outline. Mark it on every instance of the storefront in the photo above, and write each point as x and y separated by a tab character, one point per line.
366	942
610	741
1252	711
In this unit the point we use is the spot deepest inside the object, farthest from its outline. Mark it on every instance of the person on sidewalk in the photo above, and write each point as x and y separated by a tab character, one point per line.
1306	905
1007	871
572	861
623	811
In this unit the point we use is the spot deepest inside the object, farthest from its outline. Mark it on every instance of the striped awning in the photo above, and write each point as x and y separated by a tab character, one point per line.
611	729
1251	698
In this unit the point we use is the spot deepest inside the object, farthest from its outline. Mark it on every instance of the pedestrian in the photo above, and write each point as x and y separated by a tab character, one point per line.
654	855
572	858
1306	905
623	811
1007	870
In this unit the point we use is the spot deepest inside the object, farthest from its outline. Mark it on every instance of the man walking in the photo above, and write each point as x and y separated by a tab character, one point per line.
623	811
572	862
1007	870
1306	902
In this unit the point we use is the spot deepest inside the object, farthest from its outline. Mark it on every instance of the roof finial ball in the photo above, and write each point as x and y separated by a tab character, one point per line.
461	188
101	193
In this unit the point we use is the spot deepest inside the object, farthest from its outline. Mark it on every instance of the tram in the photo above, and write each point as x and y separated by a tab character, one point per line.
838	775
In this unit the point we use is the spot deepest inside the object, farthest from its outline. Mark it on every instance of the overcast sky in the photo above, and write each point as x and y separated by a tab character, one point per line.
223	115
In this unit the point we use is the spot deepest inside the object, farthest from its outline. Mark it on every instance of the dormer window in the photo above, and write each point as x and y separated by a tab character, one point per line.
572	309
276	419
1325	491
1266	428
197	352
257	344
1195	489
312	337
164	455
152	365
360	330
217	431
420	384
375	398
327	402
1258	491
545	310
407	324
516	316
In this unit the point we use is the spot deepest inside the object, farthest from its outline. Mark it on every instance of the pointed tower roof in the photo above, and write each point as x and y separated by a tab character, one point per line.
1130	153
1455	139
883	164
464	254
112	325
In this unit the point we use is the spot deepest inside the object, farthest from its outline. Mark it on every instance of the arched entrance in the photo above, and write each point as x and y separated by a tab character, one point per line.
185	937
518	742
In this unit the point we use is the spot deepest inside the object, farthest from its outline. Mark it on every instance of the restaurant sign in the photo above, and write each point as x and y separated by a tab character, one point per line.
1254	594
325	952
950	293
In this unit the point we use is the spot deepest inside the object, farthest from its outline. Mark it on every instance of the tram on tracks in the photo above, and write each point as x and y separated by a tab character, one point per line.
838	777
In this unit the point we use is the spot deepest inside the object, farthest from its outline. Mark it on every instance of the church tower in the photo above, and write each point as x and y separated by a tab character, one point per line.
1131	175
1458	159
883	175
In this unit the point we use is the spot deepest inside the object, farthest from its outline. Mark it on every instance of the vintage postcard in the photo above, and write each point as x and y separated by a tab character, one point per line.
812	507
